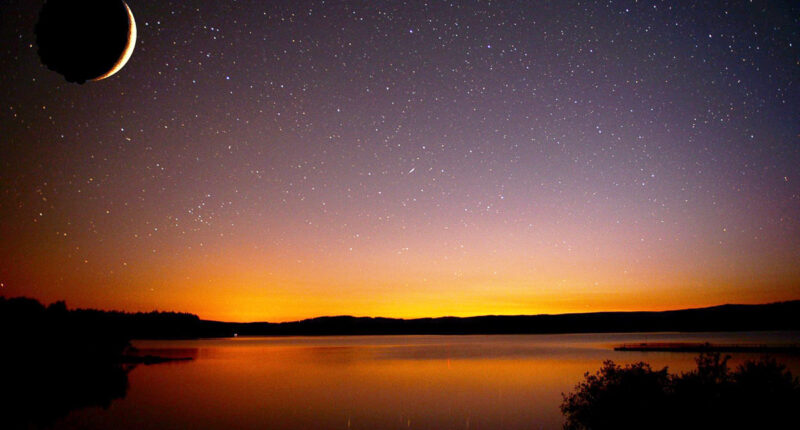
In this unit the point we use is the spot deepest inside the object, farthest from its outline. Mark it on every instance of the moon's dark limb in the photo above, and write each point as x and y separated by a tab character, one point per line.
82	39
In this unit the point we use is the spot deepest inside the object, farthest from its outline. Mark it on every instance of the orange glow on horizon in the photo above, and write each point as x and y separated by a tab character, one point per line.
233	288
496	269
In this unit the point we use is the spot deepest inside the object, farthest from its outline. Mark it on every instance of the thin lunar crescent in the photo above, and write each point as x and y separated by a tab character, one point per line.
126	54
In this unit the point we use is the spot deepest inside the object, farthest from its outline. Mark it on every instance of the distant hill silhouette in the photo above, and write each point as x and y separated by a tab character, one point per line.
774	316
155	325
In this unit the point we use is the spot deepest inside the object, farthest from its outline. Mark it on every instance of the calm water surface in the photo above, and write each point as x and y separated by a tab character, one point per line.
377	382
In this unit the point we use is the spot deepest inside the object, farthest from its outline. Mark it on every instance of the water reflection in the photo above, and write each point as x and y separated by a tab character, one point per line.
386	382
37	395
40	390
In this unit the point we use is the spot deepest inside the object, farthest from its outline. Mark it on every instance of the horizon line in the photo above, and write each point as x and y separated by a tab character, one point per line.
412	319
504	315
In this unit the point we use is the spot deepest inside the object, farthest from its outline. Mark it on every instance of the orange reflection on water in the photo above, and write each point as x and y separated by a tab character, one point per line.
370	382
361	386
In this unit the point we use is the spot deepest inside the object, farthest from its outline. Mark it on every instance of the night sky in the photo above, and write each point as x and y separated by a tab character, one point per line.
274	160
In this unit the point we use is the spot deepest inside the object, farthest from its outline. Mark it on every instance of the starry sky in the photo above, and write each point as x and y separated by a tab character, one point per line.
279	160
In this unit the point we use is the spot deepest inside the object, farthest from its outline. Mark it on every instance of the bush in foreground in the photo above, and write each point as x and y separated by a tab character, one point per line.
758	394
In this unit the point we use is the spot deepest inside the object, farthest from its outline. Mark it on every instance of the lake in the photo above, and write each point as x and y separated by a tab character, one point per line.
378	382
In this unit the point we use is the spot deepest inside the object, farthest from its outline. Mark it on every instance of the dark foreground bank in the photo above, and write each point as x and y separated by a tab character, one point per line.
56	360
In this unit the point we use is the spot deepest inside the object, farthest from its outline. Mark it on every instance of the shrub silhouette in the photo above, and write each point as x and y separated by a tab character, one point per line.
758	394
625	396
764	394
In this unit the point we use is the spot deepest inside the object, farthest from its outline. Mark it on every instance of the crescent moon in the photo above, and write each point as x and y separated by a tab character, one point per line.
126	54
